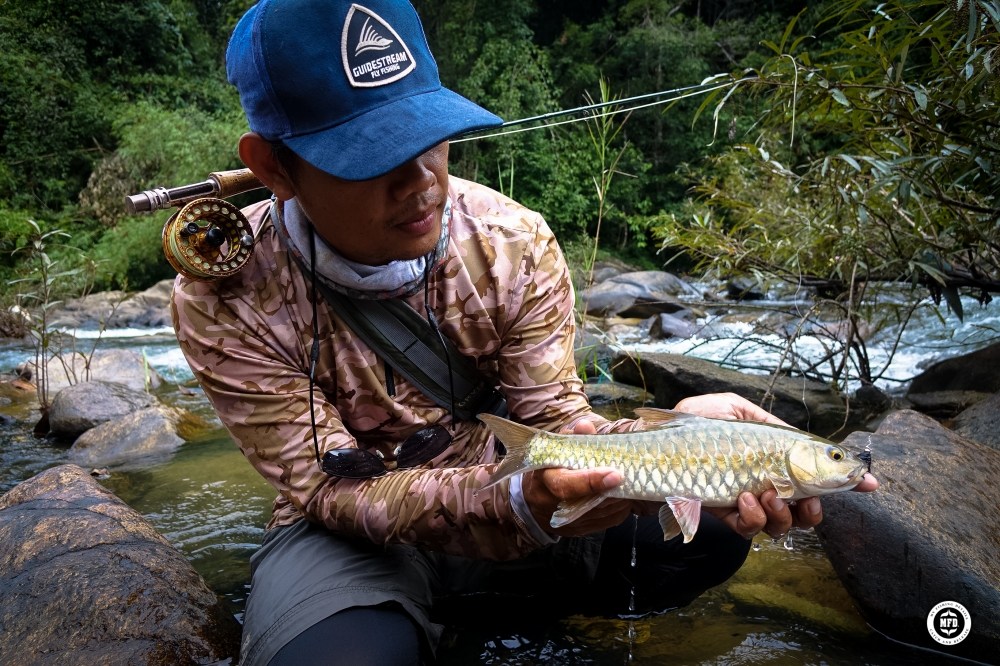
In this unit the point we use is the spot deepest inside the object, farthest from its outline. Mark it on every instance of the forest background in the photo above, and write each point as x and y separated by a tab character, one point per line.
839	144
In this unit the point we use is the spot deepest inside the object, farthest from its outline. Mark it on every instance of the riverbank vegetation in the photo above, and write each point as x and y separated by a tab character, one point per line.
833	144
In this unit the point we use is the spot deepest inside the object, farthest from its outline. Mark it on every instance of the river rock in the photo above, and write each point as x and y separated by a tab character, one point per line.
123	366
929	534
78	408
641	293
117	309
981	422
139	438
665	326
741	289
86	580
976	371
944	404
799	402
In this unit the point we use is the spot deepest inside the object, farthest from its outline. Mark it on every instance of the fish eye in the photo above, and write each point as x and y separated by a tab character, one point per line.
836	454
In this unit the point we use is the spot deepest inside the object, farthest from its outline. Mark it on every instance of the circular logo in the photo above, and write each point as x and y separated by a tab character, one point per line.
949	623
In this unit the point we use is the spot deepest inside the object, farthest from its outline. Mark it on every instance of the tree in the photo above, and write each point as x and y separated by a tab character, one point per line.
876	160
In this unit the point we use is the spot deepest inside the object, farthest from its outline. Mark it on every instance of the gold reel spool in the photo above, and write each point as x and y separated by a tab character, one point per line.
207	239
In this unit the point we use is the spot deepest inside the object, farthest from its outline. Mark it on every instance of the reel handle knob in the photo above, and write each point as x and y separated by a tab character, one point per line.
215	237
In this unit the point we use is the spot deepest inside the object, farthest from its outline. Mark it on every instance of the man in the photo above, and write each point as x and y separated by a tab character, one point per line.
349	130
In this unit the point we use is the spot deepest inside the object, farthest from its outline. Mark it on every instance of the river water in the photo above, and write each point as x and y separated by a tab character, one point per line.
786	606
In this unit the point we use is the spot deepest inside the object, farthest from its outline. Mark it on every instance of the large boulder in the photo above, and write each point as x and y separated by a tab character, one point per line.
123	366
86	580
981	422
976	371
799	402
78	408
139	438
117	309
928	535
637	294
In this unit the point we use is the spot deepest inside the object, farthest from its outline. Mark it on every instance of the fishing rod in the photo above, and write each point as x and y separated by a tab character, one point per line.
230	183
688	91
209	238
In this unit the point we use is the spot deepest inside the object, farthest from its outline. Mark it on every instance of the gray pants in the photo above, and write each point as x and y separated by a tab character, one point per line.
303	573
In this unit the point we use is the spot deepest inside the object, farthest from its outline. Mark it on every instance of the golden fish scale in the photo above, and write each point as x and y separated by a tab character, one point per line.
715	464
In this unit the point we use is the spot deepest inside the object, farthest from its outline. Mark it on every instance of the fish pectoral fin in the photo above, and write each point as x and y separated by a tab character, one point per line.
567	512
782	484
687	514
668	523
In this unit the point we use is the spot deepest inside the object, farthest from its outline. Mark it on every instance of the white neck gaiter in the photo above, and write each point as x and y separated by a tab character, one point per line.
393	280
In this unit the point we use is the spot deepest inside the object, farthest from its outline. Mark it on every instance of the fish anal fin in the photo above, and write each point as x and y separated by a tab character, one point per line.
570	511
687	513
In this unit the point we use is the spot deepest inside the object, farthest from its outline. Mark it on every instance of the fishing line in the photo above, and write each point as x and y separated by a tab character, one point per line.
914	646
686	92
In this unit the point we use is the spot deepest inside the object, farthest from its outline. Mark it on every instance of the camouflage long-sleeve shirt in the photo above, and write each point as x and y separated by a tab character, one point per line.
503	295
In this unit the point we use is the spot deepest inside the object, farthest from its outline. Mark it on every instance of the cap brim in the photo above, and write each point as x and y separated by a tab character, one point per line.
377	142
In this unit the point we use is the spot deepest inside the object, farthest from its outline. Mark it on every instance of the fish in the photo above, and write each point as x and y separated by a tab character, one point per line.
685	461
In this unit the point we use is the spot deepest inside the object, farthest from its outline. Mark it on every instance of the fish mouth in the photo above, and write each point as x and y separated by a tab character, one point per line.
858	475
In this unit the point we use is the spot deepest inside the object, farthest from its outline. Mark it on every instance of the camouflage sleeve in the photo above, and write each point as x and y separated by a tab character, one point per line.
251	357
537	365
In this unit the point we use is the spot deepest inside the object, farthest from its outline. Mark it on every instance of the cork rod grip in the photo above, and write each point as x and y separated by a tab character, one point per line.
233	182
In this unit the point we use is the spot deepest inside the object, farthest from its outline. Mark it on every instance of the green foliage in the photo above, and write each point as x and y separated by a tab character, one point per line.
88	116
65	66
133	255
874	163
15	230
37	292
903	185
156	146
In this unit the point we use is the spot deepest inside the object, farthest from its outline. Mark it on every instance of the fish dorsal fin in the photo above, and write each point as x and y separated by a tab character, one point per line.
663	418
687	513
570	511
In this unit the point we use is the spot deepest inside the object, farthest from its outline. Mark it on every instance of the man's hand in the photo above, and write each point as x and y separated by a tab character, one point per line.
545	489
726	406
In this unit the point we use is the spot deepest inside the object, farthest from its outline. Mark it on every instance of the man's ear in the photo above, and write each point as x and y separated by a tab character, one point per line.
257	154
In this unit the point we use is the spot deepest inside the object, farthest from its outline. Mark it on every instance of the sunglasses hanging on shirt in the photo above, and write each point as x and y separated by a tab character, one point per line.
422	446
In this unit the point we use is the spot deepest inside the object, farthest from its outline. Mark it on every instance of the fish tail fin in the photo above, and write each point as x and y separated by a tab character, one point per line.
516	439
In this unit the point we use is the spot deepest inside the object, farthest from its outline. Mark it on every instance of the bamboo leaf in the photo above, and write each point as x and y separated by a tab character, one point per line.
850	160
953	300
840	97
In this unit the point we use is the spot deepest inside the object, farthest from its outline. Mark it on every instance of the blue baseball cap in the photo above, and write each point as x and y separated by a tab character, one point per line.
351	88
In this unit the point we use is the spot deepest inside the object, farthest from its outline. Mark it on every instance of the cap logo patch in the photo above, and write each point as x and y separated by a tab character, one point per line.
373	53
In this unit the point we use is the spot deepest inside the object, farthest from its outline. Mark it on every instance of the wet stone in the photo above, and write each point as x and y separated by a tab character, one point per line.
85	579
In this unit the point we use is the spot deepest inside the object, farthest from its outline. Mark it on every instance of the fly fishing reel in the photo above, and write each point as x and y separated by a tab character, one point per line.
208	238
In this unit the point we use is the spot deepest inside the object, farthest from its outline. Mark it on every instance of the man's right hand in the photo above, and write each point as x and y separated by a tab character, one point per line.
545	489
